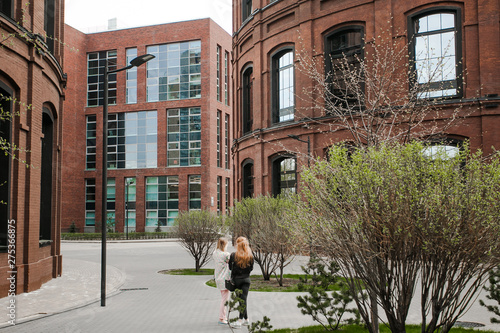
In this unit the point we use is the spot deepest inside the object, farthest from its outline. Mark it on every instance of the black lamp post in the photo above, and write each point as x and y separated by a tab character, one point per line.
295	137
136	62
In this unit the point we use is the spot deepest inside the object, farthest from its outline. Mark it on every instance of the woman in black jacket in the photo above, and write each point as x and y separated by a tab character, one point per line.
241	264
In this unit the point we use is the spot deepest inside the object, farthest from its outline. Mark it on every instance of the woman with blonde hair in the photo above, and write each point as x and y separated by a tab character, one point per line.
221	272
241	264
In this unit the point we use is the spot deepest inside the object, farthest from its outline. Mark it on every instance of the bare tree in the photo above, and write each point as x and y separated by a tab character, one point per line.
392	217
198	232
261	220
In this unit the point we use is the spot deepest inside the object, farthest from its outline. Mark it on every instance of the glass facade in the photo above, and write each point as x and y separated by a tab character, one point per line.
162	200
96	62
184	137
130	199
132	140
175	72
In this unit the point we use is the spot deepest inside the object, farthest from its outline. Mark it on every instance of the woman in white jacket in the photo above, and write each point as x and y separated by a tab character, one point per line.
222	273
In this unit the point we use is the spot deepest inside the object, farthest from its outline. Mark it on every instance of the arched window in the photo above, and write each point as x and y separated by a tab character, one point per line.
445	148
247	179
46	177
283	86
343	47
5	160
247	100
284	174
436	52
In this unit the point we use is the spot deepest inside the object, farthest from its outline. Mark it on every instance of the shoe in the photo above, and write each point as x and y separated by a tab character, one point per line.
237	324
222	322
245	322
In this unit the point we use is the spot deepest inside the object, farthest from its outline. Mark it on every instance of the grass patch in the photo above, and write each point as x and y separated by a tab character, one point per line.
188	271
361	329
290	283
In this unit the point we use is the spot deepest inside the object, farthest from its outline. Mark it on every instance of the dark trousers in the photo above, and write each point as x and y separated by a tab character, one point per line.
244	285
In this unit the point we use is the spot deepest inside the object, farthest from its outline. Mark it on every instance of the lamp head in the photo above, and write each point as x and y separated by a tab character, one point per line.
136	62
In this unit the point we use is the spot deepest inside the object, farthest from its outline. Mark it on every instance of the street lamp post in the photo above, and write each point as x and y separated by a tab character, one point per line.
136	62
295	137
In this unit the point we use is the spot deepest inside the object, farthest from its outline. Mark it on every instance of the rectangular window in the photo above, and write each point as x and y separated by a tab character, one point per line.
184	137
435	52
96	63
226	141
49	23
89	202
132	140
175	73
194	192
91	143
218	139
130	198
227	196
283	87
226	78
131	89
219	181
6	7
162	200
218	72
111	198
246	9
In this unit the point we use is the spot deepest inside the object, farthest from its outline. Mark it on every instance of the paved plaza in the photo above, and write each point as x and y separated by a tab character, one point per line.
139	299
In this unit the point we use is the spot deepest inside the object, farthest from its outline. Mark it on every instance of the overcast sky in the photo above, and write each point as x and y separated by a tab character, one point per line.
93	15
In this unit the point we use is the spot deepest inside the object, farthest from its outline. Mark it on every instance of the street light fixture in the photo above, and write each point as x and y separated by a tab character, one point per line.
295	137
136	62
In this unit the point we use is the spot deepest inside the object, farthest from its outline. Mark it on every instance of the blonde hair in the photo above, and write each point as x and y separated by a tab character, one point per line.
243	255
221	244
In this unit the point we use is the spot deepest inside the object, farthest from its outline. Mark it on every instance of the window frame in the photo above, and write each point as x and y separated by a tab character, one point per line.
247	180
247	79
458	45
276	172
275	83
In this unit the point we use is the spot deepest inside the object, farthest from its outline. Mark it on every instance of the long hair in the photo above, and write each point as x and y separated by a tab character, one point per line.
221	244
243	256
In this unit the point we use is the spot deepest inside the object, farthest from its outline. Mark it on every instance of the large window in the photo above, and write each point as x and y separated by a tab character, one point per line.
6	7
111	199
96	63
131	90
162	200
343	48
175	72
184	137
226	141
435	51
247	100
227	203
283	86
49	23
219	151
46	175
247	179
219	184
90	202
5	162
132	140
91	143
284	175
194	192
219	51
246	8
226	77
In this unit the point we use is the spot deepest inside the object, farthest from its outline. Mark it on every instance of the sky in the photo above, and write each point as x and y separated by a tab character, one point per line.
92	15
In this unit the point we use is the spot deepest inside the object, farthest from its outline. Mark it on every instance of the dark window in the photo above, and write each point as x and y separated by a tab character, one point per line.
5	164
343	51
247	8
96	63
283	86
49	24
284	175
6	7
195	192
435	51
247	179
247	100
46	177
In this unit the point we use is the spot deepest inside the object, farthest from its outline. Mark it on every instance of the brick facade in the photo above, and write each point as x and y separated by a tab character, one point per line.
74	168
31	74
272	25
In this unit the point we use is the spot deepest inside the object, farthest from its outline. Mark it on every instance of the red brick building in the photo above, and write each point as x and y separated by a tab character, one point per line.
268	86
32	85
169	122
